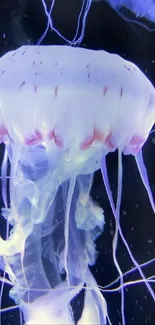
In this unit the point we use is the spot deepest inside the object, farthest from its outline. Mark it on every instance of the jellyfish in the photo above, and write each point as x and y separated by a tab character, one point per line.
62	110
140	8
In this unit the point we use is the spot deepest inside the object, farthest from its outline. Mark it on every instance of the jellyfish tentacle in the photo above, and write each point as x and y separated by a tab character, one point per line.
108	190
144	177
66	231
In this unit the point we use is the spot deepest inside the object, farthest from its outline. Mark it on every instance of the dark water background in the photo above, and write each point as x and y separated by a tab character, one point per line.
23	22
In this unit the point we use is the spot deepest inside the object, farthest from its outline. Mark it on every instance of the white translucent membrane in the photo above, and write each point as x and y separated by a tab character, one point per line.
54	222
51	245
139	8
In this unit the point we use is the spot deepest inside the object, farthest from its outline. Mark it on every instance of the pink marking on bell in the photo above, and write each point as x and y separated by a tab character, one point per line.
109	142
56	138
51	135
3	132
137	140
134	145
98	135
56	91
87	143
105	90
34	139
58	141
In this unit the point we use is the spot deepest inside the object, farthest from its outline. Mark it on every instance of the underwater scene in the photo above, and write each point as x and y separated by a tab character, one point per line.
77	157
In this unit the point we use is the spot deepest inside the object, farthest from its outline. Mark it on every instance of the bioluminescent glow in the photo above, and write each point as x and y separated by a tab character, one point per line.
62	110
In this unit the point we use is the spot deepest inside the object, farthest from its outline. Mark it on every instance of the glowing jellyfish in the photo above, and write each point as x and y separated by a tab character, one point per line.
139	8
63	110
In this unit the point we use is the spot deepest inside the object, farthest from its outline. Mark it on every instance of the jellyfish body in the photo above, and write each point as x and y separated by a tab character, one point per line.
93	79
140	8
62	109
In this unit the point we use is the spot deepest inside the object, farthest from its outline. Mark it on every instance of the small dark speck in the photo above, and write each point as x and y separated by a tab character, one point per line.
151	100
121	92
153	140
22	84
125	66
111	232
105	90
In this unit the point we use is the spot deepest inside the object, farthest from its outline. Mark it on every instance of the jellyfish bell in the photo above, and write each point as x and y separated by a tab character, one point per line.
62	110
37	87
